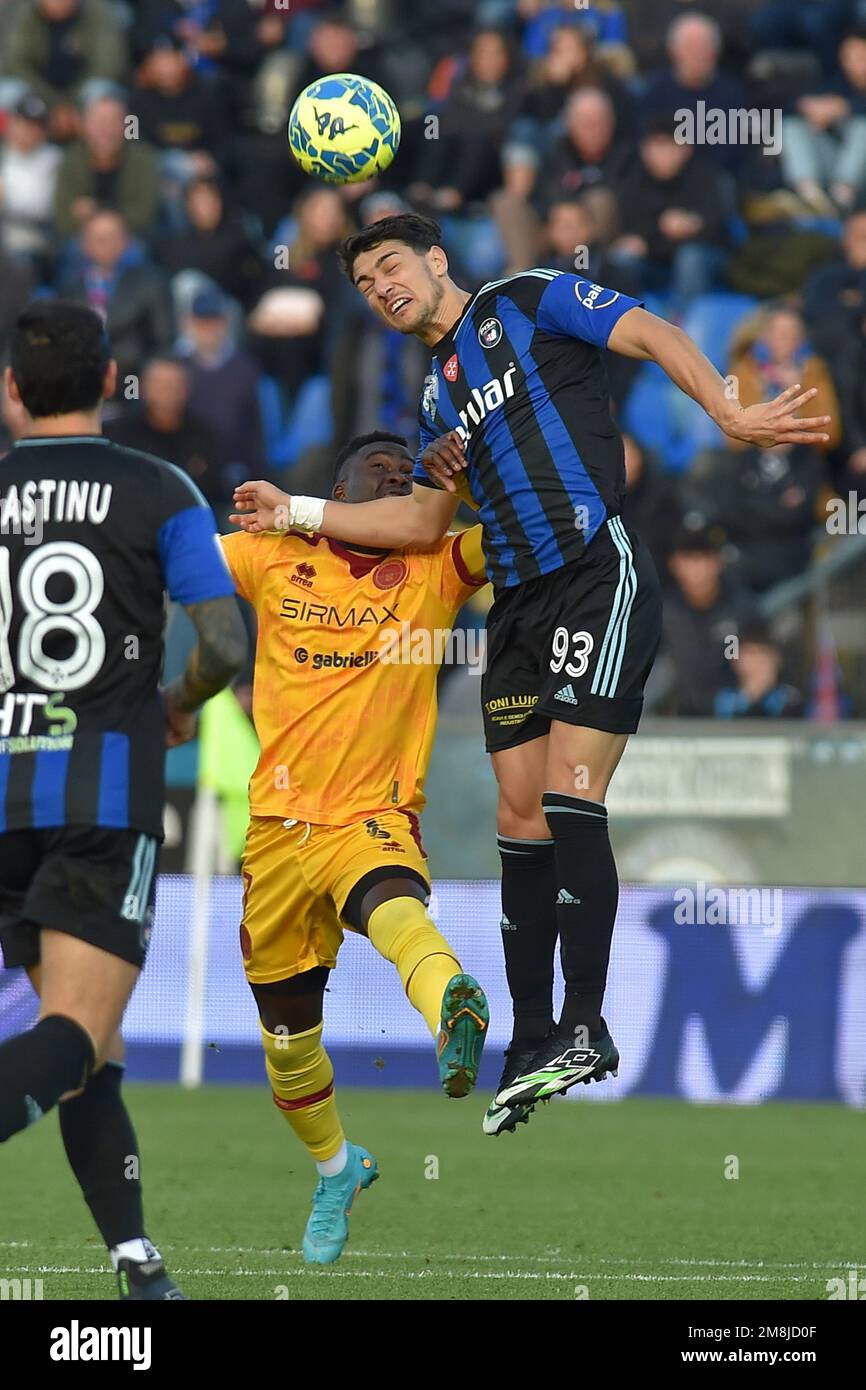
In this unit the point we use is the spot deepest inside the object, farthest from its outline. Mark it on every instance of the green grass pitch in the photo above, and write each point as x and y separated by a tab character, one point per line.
617	1201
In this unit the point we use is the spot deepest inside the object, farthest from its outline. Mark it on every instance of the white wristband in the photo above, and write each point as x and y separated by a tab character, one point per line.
306	513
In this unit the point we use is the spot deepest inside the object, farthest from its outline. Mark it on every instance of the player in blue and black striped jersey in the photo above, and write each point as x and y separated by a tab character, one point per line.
93	536
516	409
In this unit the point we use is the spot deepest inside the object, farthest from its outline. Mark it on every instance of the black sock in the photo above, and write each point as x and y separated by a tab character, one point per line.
529	932
37	1067
586	901
102	1150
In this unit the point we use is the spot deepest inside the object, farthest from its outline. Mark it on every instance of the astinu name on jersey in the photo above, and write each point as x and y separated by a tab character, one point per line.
52	499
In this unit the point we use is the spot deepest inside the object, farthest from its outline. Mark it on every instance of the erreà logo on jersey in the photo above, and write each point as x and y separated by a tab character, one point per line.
486	399
451	370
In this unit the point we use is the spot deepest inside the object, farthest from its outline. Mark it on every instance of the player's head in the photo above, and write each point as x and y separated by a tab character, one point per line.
400	268
372	466
60	360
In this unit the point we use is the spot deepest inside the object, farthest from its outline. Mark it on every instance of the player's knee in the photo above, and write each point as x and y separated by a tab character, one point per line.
523	822
293	1005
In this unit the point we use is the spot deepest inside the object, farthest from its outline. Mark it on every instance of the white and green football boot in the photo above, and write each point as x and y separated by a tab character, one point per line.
504	1119
558	1064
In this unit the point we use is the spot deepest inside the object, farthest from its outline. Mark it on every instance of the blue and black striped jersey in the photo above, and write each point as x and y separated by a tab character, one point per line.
521	377
93	536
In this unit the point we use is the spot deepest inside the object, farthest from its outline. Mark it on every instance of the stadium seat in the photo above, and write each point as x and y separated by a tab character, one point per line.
710	321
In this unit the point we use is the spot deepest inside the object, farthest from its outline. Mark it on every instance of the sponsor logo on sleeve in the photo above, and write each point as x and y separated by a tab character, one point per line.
594	296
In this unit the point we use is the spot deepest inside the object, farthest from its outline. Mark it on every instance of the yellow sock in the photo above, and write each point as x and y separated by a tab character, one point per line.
300	1072
402	932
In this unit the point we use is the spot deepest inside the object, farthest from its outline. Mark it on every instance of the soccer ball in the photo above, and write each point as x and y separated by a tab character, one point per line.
344	129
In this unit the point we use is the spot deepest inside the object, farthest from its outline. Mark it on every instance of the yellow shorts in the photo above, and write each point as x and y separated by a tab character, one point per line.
297	878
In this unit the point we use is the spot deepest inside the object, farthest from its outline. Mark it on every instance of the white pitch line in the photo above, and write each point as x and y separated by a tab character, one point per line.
582	1276
451	1258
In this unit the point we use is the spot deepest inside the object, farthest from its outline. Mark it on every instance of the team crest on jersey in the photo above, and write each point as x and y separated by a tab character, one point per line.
590	294
490	333
430	398
451	370
390	574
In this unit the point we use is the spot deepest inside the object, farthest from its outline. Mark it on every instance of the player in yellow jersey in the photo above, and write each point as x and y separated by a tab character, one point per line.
346	721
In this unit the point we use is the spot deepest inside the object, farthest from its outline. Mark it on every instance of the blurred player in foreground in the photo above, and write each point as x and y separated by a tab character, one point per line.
88	552
517	399
346	716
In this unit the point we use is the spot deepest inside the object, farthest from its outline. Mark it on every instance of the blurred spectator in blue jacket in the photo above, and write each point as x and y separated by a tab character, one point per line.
759	692
115	277
223	388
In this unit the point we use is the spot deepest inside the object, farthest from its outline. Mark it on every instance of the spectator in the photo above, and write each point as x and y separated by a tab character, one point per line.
223	389
759	692
694	45
587	156
164	426
104	169
57	47
116	279
28	174
674	208
321	225
824	145
834	301
569	64
766	502
773	354
604	22
649	500
216	242
849	473
176	107
462	165
16	287
816	28
334	45
704	610
589	152
301	311
220	36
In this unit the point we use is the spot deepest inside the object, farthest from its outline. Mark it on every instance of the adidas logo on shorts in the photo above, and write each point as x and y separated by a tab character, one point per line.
564	898
567	694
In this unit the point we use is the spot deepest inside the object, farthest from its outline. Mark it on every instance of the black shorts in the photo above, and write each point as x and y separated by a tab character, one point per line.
575	645
91	883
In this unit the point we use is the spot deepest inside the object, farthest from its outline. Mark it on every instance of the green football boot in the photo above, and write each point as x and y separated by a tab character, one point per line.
463	1028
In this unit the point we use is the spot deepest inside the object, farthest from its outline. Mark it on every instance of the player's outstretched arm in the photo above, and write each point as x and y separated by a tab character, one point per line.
644	335
218	658
421	518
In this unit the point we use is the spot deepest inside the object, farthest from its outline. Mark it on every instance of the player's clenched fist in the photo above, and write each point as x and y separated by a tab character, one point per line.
443	458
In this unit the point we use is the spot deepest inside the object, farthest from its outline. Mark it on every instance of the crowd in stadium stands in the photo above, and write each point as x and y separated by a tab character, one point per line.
144	170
